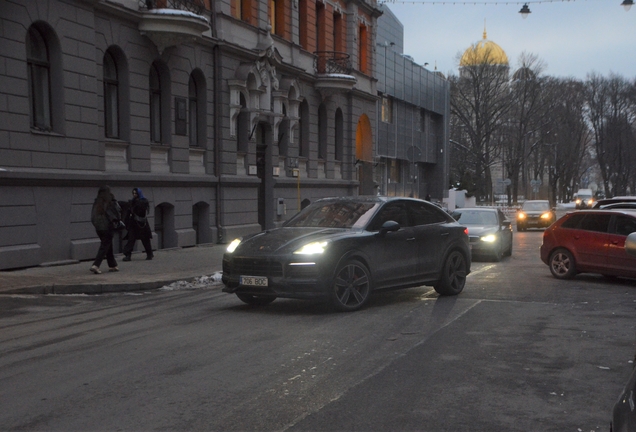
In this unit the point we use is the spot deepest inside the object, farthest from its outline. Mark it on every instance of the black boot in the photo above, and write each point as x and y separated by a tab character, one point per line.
126	258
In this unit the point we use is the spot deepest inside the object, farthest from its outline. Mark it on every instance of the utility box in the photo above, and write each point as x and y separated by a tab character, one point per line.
280	206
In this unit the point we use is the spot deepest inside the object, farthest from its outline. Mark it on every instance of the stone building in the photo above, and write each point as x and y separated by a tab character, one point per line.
226	114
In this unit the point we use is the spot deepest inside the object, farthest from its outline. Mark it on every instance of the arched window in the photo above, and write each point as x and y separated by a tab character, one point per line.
303	26
197	112
155	105
322	132
193	112
339	138
277	16
39	75
243	127
111	97
363	49
283	134
243	10
303	128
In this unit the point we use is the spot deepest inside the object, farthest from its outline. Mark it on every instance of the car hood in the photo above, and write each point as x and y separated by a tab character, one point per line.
477	230
535	212
281	240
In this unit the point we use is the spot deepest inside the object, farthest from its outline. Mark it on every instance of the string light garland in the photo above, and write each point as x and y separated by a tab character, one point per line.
475	2
525	10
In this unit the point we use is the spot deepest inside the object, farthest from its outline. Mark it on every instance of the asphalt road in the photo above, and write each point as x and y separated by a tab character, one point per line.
517	351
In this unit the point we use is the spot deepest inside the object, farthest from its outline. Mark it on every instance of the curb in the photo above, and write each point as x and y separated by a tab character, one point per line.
105	288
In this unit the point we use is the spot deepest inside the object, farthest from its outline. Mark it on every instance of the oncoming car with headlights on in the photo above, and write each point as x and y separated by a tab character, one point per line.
535	214
342	249
489	231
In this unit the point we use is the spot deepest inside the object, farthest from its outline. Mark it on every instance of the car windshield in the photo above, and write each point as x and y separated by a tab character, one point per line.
473	217
536	206
339	214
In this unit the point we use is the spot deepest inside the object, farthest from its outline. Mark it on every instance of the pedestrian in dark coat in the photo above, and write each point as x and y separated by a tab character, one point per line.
137	224
105	216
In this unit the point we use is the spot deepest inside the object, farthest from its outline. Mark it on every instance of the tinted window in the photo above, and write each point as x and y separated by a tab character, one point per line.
625	225
573	221
390	212
340	214
593	222
475	217
425	214
536	206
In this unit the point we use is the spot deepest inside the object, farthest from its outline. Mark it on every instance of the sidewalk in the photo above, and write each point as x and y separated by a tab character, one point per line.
167	266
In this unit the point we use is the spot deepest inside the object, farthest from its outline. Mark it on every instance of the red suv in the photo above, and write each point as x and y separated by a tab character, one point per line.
590	241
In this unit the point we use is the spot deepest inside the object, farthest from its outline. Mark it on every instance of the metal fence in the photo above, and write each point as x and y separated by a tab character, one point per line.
195	6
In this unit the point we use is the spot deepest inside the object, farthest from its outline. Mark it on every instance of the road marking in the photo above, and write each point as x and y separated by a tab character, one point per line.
481	270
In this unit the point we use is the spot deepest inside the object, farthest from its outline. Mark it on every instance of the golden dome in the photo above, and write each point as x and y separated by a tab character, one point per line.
484	52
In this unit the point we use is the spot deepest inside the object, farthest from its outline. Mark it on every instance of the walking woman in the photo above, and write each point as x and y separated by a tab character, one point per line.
105	215
137	224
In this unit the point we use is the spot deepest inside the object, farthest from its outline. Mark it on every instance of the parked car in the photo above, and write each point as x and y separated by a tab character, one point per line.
584	198
624	411
625	202
343	249
535	214
489	231
590	241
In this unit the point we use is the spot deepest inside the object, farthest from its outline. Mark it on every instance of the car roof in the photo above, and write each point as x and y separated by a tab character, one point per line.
369	198
626	211
618	199
476	208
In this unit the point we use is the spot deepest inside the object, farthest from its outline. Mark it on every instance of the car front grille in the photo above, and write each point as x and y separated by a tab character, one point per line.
302	271
252	267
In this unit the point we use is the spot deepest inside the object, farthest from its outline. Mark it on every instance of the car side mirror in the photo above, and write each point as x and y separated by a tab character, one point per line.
630	244
506	223
389	226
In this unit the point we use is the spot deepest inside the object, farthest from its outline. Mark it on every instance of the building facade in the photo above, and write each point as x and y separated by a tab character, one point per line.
411	153
227	114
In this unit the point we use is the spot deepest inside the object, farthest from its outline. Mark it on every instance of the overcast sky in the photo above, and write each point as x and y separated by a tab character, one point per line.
572	38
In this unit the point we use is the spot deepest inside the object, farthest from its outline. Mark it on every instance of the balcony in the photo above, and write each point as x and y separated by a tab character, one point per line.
333	72
172	22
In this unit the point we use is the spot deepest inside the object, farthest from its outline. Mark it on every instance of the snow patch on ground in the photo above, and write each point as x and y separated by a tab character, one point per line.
198	283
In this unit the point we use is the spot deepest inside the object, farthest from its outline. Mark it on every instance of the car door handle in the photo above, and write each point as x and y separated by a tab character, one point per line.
410	239
444	234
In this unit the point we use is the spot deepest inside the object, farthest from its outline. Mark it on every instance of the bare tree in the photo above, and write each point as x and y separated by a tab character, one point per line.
566	136
611	115
525	120
480	101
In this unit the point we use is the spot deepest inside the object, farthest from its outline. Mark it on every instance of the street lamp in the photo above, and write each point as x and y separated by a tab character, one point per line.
627	4
525	10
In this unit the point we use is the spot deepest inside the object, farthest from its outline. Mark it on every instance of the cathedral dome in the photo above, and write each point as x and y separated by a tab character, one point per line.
484	52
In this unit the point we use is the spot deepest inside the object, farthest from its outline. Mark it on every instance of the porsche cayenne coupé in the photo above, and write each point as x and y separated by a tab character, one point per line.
342	249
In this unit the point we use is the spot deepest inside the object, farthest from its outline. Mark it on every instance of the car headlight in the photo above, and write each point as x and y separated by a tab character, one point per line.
312	248
521	216
232	246
546	216
489	238
578	201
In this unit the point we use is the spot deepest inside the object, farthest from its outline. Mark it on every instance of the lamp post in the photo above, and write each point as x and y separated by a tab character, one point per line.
627	4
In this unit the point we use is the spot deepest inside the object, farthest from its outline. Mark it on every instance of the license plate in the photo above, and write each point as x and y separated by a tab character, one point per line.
260	281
